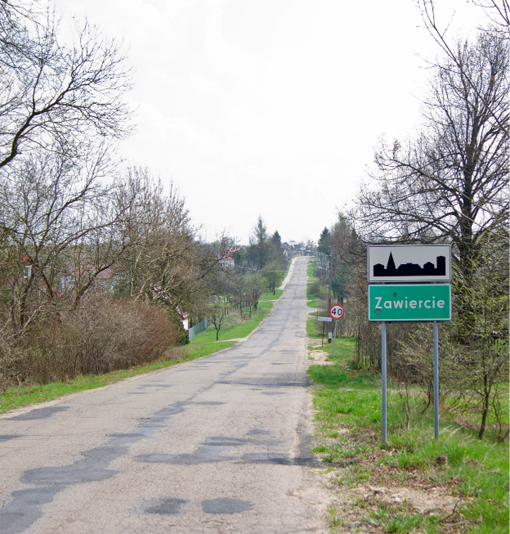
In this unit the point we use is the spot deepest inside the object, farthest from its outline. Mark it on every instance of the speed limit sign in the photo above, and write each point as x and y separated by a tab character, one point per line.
336	311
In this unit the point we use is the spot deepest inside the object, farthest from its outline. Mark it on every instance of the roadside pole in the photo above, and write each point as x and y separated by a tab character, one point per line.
328	275
436	380
323	320
383	373
336	312
334	340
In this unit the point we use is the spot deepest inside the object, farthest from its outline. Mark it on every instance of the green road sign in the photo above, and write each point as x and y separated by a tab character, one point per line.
417	302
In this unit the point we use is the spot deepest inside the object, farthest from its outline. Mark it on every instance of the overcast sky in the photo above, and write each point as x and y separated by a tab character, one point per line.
269	107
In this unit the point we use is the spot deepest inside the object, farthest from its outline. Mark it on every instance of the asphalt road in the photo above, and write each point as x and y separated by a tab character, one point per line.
217	445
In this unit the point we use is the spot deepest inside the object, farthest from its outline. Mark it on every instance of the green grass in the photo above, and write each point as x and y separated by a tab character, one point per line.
475	471
202	345
314	303
310	268
234	331
344	348
269	295
313	300
312	330
25	395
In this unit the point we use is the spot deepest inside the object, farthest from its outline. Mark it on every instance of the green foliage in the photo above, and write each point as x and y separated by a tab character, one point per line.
315	303
273	274
324	241
182	335
315	290
342	281
403	523
265	249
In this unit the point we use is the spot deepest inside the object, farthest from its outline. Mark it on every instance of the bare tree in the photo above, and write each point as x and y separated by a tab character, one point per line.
218	313
52	93
450	183
474	375
163	260
496	11
54	209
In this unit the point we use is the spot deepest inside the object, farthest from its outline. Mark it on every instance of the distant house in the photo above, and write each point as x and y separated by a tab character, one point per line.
227	258
184	318
167	299
104	279
29	270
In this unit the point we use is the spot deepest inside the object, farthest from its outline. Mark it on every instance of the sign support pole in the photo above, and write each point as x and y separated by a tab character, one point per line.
334	340
383	373
436	380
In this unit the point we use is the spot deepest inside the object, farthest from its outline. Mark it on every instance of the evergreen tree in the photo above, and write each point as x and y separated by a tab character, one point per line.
259	250
324	241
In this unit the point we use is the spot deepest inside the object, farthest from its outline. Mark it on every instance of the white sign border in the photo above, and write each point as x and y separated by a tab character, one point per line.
409	279
441	320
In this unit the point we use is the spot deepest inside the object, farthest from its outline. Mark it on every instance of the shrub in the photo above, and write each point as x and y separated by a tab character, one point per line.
103	334
314	288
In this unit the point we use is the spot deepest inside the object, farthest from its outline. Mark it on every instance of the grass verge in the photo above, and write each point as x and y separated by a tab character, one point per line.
314	329
269	296
310	267
313	302
417	484
234	330
25	395
202	345
312	287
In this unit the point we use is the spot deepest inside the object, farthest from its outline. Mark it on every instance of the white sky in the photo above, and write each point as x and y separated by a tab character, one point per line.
269	107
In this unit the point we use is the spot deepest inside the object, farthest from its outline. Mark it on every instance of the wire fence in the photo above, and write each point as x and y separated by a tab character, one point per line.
197	329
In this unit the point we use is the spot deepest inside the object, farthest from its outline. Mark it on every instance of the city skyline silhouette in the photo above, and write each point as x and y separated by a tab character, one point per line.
411	269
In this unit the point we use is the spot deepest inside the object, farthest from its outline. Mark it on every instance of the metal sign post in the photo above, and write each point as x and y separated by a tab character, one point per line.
336	312
436	380
384	388
334	340
323	320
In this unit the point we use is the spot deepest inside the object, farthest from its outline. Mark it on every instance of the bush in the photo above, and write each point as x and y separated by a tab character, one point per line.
314	288
103	334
